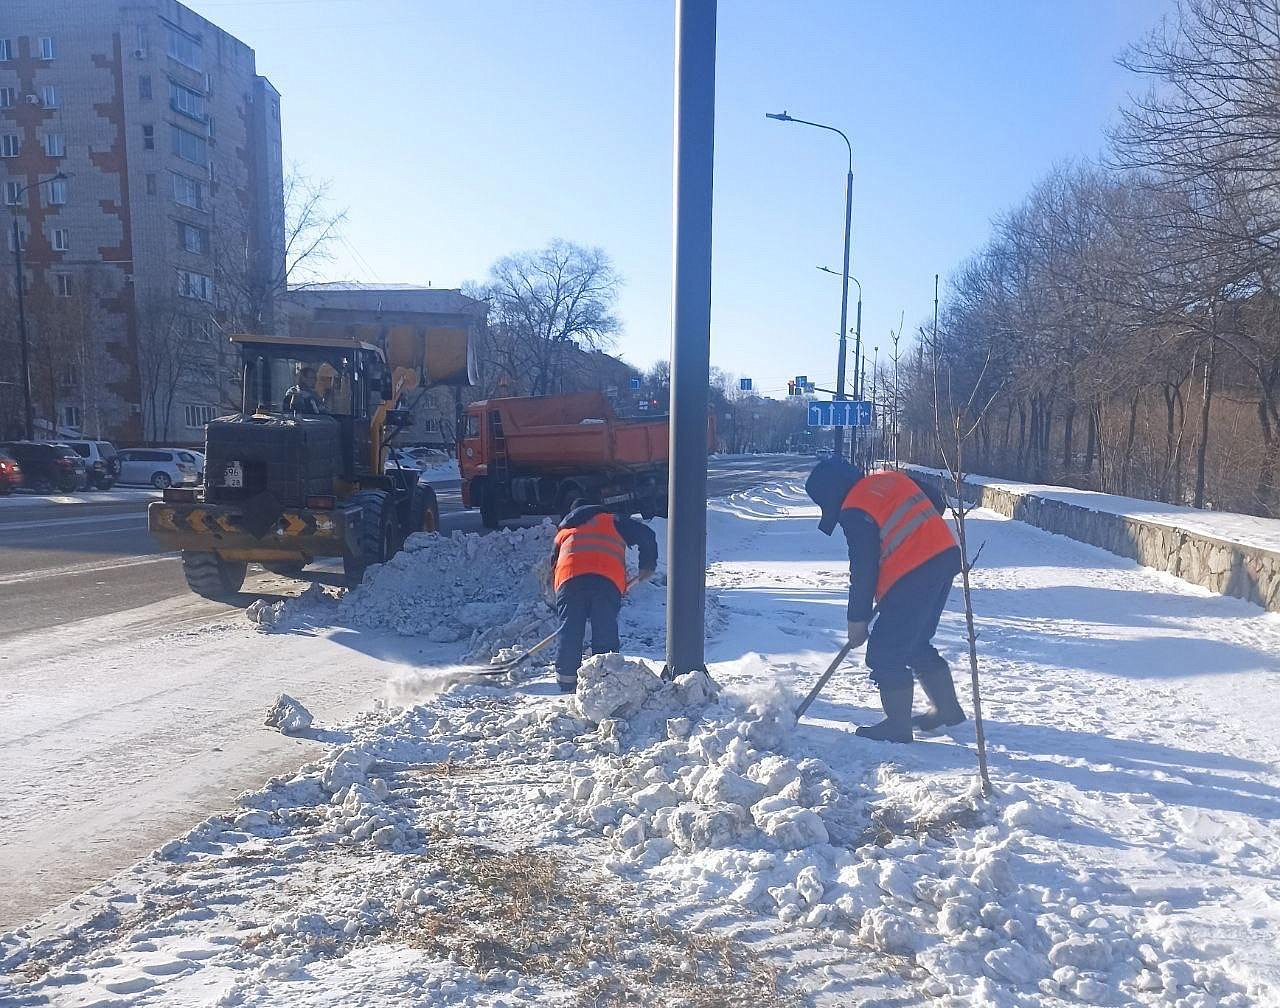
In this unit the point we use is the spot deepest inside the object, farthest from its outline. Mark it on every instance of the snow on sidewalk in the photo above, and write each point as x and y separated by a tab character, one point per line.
497	845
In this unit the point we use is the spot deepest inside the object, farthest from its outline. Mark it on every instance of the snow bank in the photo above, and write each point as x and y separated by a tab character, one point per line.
487	591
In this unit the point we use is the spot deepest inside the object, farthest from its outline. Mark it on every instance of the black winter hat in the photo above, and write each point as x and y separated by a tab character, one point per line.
828	485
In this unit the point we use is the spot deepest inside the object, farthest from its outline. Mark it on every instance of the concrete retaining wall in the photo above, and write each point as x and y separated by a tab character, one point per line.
1230	568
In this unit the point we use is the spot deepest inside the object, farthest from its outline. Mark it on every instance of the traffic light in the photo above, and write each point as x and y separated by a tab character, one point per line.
791	389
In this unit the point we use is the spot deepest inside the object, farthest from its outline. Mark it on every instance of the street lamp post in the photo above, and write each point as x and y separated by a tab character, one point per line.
857	347
844	284
27	413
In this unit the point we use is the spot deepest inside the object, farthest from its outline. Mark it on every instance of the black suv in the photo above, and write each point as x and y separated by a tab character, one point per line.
49	467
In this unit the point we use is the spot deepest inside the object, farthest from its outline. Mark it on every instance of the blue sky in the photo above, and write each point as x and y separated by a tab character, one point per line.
455	133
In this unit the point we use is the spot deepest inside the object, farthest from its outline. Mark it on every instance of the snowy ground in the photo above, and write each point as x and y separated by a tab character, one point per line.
121	495
494	844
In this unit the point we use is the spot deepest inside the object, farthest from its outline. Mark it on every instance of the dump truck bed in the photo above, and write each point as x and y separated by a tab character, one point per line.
576	432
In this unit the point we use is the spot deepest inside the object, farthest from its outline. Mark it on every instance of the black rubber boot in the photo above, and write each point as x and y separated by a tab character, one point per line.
896	726
944	709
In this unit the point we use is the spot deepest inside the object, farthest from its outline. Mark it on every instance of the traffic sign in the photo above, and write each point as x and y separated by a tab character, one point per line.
744	384
846	413
635	384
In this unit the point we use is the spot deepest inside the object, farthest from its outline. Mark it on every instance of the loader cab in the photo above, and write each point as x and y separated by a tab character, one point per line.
343	384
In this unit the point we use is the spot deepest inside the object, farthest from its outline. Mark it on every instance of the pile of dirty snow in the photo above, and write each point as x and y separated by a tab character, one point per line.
697	789
486	590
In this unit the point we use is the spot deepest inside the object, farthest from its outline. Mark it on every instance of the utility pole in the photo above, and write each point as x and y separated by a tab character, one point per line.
695	66
28	412
29	422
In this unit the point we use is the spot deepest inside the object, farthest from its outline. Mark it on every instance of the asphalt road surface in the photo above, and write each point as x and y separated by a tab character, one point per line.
92	556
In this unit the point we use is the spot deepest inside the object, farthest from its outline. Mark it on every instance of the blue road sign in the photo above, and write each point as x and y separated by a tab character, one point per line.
635	384
744	384
849	413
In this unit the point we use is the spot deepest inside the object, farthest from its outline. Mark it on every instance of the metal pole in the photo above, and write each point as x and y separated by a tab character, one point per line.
844	300
691	334
22	333
857	348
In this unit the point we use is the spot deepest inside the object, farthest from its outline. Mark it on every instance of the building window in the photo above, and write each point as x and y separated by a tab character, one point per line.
69	416
184	49
62	284
194	285
10	145
55	145
275	110
188	192
190	147
12	193
22	237
151	183
194	239
6	50
144	86
7	95
148	137
58	192
49	96
70	376
198	416
46	48
184	100
61	240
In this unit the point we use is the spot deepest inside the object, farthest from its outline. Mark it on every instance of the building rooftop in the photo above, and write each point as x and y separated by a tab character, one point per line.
355	296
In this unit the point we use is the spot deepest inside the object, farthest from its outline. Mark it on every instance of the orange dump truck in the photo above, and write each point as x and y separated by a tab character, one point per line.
535	455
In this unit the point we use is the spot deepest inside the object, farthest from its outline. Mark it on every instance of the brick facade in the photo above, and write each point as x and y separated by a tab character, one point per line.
172	142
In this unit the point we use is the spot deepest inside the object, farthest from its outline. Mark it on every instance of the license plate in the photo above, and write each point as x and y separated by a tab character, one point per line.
234	476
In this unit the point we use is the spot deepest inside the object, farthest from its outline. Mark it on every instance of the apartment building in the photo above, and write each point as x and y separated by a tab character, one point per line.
140	156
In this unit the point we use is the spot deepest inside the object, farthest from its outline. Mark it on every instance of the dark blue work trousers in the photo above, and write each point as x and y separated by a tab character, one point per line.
901	640
587	598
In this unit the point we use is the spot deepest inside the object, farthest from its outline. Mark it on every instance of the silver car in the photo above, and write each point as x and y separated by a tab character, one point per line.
160	467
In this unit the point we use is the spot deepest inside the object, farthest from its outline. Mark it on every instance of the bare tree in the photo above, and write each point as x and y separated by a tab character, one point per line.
543	304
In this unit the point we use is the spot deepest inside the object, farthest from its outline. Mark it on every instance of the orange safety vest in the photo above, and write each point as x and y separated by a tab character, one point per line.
911	530
594	547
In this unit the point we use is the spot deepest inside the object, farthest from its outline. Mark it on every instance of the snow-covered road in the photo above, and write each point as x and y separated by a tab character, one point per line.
1132	855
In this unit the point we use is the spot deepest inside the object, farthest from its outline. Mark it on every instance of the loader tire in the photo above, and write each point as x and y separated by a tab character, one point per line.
379	534
426	510
211	577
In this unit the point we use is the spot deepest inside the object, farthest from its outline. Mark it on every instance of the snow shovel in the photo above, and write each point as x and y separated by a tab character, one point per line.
511	664
813	693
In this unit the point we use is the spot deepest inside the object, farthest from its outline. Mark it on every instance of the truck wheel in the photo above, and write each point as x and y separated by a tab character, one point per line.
377	534
490	516
211	577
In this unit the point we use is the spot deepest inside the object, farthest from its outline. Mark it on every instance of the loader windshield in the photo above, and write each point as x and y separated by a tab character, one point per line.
298	382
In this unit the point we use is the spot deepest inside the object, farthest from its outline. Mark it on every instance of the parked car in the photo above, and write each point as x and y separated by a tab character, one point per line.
160	467
47	467
10	473
199	457
101	457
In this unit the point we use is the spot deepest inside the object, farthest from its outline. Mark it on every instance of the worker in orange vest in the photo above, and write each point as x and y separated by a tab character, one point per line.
902	558
589	575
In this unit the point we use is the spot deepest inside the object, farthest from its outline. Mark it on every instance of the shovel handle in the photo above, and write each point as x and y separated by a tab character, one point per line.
813	693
